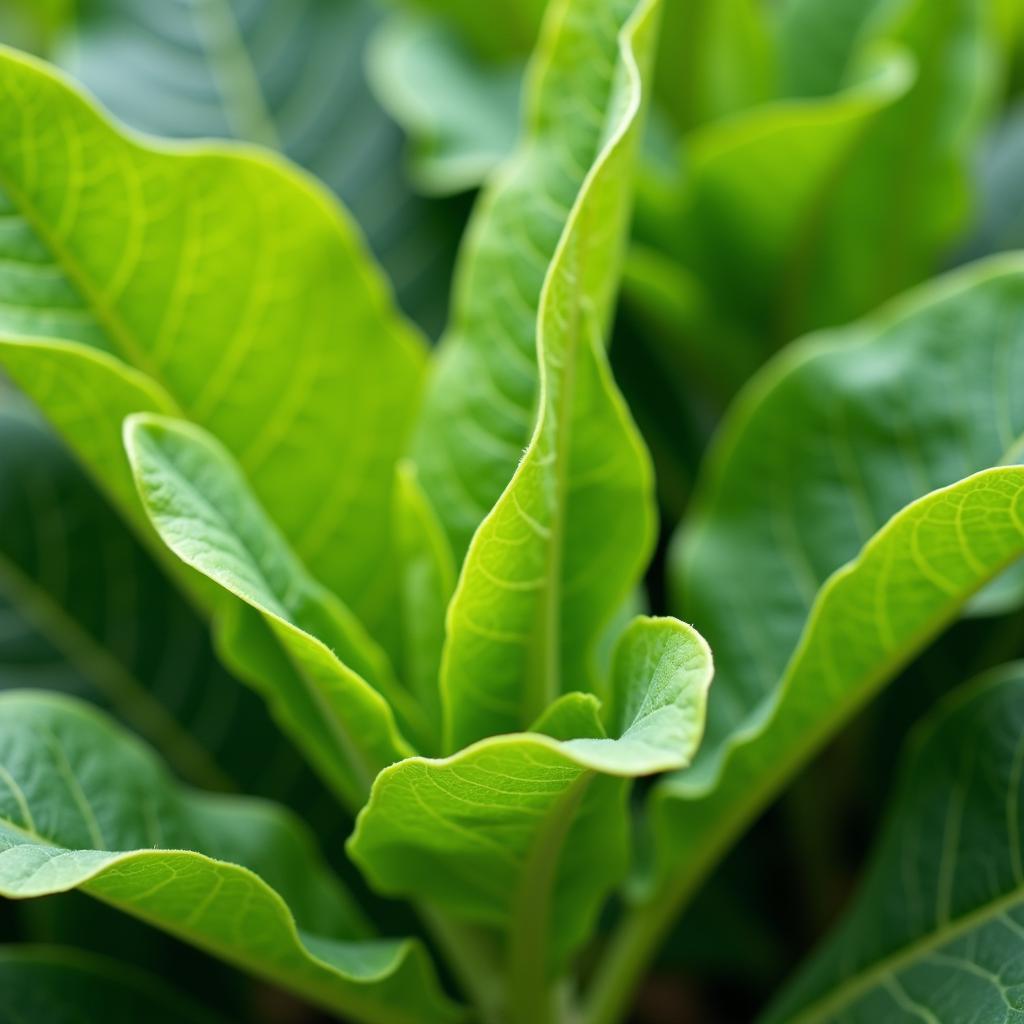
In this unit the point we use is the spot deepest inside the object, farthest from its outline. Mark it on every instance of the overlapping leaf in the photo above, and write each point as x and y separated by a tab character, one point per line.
899	206
284	75
827	445
744	215
84	806
330	694
526	833
213	281
935	932
568	539
86	611
582	99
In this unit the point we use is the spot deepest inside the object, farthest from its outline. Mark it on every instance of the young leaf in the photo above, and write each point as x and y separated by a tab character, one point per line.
285	76
57	985
84	806
527	833
332	701
85	610
935	932
567	540
215	282
582	106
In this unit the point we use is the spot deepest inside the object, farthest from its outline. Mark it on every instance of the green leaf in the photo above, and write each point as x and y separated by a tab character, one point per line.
213	281
461	115
745	217
568	539
901	204
526	833
818	41
426	584
84	806
58	986
881	414
85	610
337	696
286	76
495	31
715	58
582	106
935	931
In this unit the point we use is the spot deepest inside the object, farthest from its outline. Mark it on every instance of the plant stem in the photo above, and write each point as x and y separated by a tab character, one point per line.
630	951
468	953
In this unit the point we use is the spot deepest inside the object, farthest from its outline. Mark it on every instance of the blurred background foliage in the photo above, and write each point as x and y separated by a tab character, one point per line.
805	160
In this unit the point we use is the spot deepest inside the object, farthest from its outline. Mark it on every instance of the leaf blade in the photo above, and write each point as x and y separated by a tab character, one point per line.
68	772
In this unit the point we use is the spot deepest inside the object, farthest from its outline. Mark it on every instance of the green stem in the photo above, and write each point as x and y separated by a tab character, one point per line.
629	953
531	996
469	954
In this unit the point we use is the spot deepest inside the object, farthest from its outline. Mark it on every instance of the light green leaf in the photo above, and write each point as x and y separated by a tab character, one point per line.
426	583
569	538
526	833
284	75
461	115
84	609
83	806
935	932
217	282
771	529
582	106
746	215
715	57
900	205
331	695
55	985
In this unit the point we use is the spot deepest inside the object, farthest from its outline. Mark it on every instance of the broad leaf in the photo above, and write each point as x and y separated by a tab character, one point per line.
331	694
56	985
526	833
84	609
84	806
460	114
568	539
715	58
935	932
582	104
746	215
822	449
284	75
211	281
901	204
